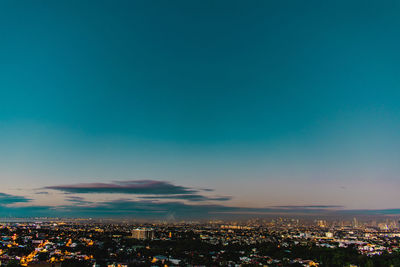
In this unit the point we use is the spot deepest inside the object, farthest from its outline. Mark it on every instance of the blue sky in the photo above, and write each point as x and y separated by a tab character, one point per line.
267	103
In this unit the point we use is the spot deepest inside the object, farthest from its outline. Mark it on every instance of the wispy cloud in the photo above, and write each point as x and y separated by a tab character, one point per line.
6	199
192	197
78	200
42	193
310	207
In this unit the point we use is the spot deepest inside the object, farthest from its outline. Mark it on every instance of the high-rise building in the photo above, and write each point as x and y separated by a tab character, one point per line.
143	233
355	222
321	223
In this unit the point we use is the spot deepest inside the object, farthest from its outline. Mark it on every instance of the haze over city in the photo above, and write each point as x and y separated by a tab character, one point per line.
199	109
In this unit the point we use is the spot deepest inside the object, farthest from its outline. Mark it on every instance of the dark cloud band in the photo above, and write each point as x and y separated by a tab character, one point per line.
140	187
192	197
124	208
6	199
152	189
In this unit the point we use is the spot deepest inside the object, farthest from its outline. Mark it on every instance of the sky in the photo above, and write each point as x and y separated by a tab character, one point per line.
197	108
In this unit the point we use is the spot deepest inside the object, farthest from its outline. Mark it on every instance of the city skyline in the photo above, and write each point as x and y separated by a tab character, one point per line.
199	109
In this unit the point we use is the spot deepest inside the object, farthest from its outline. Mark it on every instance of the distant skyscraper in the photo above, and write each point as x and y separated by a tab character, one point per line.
355	223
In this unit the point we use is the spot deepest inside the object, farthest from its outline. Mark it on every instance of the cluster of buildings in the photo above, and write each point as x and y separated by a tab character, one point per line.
273	242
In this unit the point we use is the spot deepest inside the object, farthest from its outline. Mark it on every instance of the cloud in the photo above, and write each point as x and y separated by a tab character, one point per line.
192	197
148	189
26	212
160	200
140	187
207	189
148	209
372	212
42	193
78	200
6	199
310	207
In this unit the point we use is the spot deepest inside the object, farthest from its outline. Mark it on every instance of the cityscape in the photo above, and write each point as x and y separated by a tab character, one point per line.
255	242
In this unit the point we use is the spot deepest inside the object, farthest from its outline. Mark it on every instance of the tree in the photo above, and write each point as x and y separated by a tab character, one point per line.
13	263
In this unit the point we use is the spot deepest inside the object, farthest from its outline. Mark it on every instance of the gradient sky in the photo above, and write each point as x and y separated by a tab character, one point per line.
265	103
